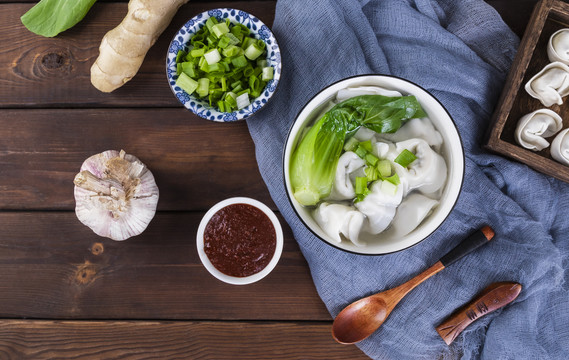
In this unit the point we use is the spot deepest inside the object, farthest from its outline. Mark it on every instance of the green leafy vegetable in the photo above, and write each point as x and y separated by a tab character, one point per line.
314	161
50	17
382	114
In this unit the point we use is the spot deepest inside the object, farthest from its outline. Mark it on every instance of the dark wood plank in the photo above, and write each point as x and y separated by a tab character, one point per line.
53	72
54	267
516	13
196	162
170	340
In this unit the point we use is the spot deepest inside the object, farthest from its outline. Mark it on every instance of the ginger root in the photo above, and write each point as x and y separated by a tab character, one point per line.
122	49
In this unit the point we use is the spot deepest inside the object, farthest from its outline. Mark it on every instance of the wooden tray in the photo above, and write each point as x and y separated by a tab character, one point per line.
548	17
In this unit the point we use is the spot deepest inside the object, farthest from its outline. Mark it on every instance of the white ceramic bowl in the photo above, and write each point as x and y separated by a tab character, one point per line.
233	279
451	150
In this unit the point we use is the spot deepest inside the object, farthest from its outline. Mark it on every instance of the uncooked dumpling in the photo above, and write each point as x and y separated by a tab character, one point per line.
534	127
558	46
560	147
550	85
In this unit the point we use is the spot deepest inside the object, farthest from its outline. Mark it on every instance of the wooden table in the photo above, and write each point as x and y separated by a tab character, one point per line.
67	293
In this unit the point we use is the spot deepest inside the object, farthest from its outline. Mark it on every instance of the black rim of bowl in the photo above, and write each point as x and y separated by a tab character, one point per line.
284	165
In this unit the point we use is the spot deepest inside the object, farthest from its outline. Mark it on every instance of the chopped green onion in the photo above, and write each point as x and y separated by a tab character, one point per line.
371	173
361	185
405	158
210	23
351	144
189	69
203	87
239	61
212	56
197	52
215	60
231	99
267	73
219	29
384	168
367	145
253	51
388	188
394	179
232	51
180	55
242	100
371	159
246	42
186	83
361	151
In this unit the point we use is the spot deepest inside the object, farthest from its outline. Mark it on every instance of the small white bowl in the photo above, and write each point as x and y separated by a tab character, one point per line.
233	279
451	150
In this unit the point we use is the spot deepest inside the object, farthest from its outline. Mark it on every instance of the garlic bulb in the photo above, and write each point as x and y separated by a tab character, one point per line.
558	46
560	147
115	195
550	85
533	128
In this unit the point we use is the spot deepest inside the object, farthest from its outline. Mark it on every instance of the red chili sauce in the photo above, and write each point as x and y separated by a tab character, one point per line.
240	240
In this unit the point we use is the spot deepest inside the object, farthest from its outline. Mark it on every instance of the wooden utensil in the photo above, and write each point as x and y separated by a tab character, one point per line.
492	298
360	319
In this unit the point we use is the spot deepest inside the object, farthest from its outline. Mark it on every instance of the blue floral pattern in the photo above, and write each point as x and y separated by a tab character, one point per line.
182	38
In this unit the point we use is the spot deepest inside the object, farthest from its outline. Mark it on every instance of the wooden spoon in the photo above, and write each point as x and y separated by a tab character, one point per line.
360	319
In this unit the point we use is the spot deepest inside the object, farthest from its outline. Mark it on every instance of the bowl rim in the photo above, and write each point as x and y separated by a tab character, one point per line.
256	104
463	159
234	280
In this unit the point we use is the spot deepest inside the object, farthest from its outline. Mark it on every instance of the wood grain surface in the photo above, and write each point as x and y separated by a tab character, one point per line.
169	340
67	293
54	72
196	163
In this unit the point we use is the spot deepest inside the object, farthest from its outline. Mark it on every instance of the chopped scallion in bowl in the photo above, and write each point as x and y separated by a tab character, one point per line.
224	64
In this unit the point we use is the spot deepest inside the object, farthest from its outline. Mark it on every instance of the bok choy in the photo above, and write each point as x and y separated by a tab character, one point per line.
314	161
50	17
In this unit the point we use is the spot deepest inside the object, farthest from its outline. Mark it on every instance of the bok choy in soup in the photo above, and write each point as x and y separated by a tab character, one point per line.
370	165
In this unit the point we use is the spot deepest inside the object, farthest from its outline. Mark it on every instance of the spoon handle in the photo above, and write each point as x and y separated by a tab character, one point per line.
468	245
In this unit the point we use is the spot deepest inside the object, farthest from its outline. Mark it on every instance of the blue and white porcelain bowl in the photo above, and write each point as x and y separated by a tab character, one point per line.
180	42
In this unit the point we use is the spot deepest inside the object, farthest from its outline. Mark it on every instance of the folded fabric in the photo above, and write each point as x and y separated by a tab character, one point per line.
460	51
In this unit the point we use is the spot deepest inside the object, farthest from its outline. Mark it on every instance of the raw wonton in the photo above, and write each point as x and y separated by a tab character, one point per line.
550	85
560	147
534	127
337	219
558	46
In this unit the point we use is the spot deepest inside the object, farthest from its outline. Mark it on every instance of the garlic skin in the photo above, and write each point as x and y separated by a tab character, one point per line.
115	195
560	147
558	46
550	85
533	128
